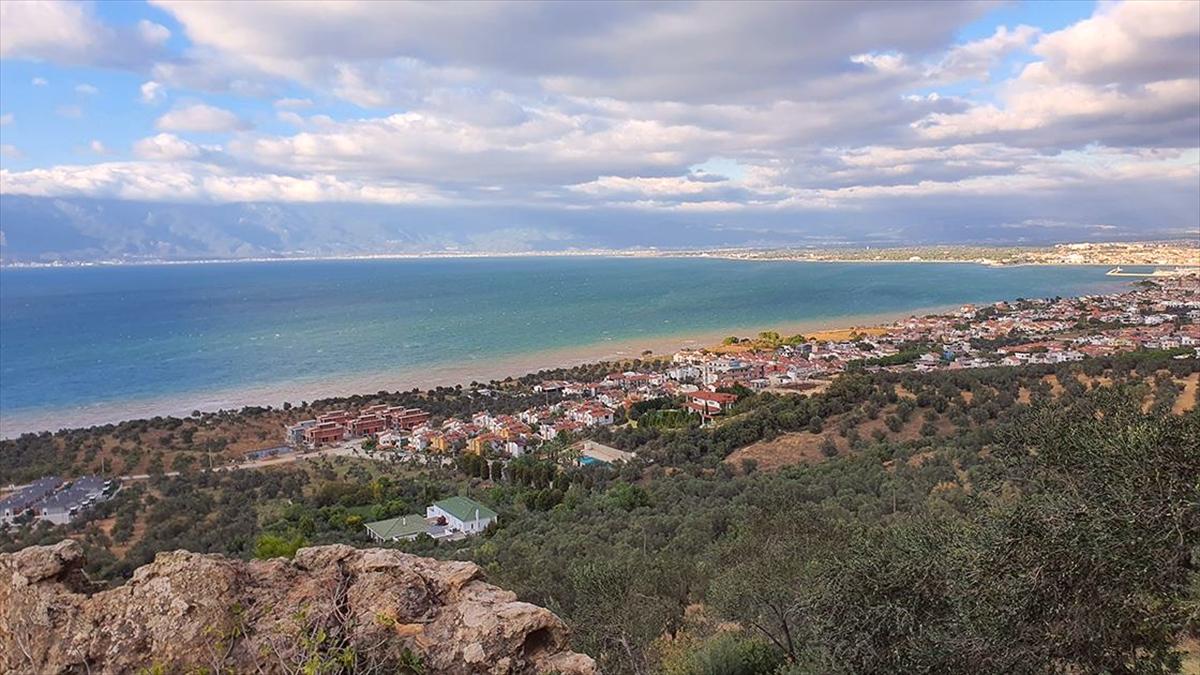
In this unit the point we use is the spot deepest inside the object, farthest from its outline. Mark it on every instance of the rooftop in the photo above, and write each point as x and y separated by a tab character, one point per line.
401	527
464	508
31	493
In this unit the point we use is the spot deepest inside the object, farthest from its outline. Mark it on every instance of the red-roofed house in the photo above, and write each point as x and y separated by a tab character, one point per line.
710	402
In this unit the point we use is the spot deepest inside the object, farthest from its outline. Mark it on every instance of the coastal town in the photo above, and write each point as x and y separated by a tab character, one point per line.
691	387
1184	254
701	384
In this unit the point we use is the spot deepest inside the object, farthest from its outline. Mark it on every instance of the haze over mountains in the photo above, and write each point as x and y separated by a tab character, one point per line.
41	229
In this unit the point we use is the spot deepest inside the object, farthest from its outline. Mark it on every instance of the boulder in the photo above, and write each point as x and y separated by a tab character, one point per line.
330	609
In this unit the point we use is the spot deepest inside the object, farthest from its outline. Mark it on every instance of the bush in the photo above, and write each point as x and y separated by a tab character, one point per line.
728	654
275	546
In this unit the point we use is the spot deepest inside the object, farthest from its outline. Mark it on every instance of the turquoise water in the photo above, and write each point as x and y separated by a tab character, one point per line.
78	337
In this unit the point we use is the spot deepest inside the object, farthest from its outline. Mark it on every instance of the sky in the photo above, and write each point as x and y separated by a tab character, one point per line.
771	121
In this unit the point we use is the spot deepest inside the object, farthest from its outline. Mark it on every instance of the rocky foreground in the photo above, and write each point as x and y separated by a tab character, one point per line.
330	609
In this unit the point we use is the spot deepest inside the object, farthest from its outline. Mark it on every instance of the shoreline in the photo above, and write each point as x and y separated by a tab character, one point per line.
14	424
736	254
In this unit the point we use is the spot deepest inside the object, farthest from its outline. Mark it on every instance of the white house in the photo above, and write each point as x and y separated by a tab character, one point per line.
462	514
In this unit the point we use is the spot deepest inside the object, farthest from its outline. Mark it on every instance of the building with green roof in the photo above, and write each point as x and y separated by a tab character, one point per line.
402	527
462	514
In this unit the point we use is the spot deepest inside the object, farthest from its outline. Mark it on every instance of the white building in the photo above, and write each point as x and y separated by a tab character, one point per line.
462	514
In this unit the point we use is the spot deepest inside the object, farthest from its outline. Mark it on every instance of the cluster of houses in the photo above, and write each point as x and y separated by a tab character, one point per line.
55	500
340	425
594	404
1164	315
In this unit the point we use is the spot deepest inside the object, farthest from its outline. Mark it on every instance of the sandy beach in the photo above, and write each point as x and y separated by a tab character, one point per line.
463	372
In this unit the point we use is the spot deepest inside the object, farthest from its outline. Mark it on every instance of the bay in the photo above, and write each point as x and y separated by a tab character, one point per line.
94	344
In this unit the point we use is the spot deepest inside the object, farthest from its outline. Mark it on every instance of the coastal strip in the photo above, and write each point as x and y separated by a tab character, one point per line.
15	423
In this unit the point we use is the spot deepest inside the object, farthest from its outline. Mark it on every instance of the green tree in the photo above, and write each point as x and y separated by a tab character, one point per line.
277	546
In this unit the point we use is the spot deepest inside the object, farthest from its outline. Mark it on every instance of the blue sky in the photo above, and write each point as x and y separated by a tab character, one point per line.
794	114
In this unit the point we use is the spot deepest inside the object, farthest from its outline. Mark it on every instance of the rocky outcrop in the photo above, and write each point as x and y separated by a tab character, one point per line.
330	609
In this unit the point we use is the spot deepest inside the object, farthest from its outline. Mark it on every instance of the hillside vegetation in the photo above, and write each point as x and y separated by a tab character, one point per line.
1042	519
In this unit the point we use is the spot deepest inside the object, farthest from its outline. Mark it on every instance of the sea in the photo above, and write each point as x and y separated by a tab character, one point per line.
91	345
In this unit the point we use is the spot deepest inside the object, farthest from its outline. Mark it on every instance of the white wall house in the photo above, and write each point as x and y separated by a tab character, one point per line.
462	514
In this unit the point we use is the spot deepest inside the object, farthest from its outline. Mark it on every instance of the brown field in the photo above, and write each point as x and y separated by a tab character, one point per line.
842	334
803	447
831	335
798	447
740	348
234	435
1191	656
1187	399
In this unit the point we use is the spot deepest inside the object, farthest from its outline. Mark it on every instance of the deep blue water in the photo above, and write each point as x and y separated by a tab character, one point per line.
72	337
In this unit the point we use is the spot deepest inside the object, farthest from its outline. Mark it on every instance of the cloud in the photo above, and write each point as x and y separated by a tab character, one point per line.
293	103
152	33
796	113
98	147
202	182
152	93
69	33
165	147
975	60
86	89
547	146
40	82
10	151
1128	42
200	117
6	119
1127	76
69	111
696	52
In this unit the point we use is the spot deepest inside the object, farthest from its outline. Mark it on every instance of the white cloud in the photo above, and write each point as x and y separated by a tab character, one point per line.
152	93
200	117
675	186
40	82
975	60
289	117
1127	76
1128	42
809	106
98	147
153	33
11	152
69	33
86	89
165	147
370	52
6	119
201	182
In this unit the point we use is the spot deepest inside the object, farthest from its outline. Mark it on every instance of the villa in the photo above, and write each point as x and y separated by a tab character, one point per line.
451	518
462	514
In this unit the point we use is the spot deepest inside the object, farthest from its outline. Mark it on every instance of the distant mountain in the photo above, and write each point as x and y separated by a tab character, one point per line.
46	229
43	229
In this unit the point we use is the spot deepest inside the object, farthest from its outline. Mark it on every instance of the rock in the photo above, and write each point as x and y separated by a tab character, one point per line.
348	609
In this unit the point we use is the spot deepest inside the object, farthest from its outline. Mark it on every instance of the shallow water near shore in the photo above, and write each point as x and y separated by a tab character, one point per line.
83	346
